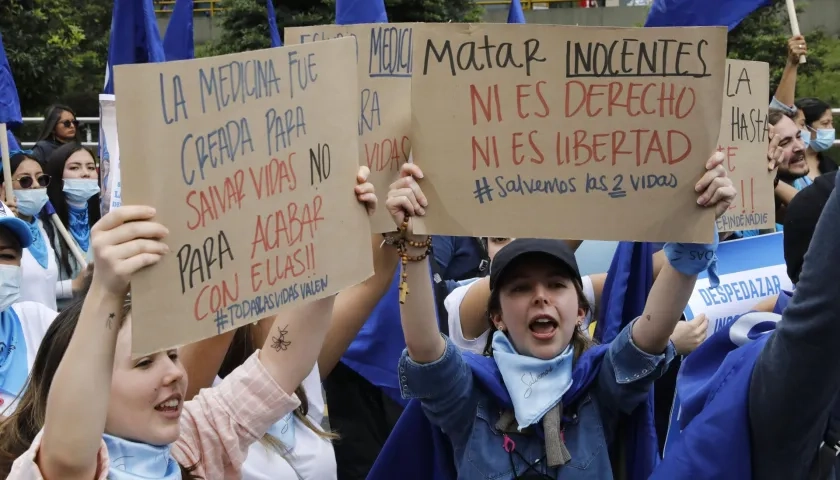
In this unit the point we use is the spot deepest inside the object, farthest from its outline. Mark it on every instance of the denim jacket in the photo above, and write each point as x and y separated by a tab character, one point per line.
467	415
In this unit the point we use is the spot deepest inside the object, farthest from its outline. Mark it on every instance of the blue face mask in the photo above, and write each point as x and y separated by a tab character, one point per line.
79	190
805	137
535	386
11	276
30	202
823	139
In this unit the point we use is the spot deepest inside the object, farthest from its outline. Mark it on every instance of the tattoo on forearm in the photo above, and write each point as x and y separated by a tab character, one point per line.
110	323
279	342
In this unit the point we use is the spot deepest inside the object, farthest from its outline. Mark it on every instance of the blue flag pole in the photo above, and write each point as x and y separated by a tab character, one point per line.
9	115
272	25
179	41
351	12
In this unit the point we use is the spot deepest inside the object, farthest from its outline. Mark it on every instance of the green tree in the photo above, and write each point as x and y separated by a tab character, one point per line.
42	40
763	37
91	58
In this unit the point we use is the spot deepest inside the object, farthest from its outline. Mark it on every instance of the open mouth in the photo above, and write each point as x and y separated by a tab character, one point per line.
543	327
171	405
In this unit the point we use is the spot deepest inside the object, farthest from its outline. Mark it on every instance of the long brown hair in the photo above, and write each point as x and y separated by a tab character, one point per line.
580	340
243	346
21	426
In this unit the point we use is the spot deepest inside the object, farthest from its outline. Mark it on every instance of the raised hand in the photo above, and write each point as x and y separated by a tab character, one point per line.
715	188
405	196
365	193
125	241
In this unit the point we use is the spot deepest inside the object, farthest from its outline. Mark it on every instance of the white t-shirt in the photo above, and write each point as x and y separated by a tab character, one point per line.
35	318
476	345
39	283
312	457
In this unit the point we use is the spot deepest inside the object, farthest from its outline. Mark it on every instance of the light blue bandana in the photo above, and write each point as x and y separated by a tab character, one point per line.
79	227
139	461
535	386
38	249
284	430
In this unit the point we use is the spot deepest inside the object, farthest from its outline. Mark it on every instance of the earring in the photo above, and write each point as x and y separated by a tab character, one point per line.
500	327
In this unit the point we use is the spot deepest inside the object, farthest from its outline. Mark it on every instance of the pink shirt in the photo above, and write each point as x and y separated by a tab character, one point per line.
217	426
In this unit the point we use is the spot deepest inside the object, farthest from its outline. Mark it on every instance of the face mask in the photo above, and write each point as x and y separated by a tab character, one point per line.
823	140
806	137
11	277
30	202
79	190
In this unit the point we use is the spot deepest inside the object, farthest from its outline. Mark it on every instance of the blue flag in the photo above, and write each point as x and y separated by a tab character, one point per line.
272	25
134	37
9	102
515	14
701	13
629	280
179	43
13	143
351	12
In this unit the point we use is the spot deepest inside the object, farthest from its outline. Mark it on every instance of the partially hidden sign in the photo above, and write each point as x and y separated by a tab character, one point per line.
751	270
250	161
566	132
384	58
743	141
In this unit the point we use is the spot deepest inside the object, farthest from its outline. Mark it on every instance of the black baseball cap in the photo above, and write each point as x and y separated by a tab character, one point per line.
507	256
801	218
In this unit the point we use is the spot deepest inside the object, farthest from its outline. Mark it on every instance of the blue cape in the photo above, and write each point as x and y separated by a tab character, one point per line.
416	449
713	387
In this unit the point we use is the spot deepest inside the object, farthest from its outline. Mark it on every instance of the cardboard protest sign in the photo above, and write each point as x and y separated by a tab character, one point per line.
566	132
743	140
250	161
751	270
383	55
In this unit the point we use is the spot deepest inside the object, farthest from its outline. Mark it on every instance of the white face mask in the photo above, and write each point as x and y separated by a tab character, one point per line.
11	277
31	201
79	190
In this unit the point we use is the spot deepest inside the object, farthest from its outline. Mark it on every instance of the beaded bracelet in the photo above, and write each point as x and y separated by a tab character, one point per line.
402	244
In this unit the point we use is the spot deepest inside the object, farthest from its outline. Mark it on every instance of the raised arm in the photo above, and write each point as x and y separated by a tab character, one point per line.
786	91
124	241
303	342
675	282
418	315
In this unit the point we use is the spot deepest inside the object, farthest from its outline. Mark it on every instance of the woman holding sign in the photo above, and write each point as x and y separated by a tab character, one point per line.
74	193
546	401
106	415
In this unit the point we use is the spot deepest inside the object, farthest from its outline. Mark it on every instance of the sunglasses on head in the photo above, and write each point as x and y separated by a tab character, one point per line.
26	181
68	123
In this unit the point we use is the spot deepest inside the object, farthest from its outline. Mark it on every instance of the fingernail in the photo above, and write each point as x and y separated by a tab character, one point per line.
425	203
701	201
718	155
421	211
